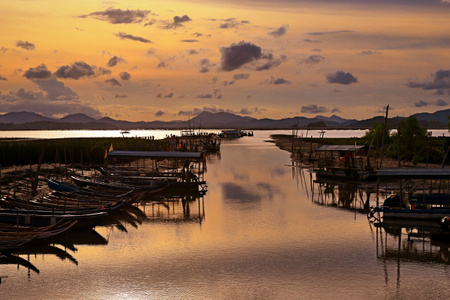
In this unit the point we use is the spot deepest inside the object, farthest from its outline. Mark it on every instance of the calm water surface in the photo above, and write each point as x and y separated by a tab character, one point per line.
262	231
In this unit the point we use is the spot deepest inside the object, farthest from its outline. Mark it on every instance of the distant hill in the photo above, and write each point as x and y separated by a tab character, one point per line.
77	118
336	119
439	116
208	119
22	117
27	120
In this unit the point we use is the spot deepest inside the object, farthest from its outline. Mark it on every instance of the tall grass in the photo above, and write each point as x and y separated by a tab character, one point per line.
69	150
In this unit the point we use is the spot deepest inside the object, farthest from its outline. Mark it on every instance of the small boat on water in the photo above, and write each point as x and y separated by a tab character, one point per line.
231	134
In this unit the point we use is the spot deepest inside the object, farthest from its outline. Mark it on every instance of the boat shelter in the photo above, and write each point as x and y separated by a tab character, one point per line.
413	173
189	161
348	157
430	181
194	156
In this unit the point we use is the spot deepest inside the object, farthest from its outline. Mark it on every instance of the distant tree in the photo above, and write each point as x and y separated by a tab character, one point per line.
413	141
376	133
319	124
448	123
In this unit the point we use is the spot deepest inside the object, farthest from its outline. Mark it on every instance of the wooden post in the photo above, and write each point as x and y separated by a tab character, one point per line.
398	145
384	130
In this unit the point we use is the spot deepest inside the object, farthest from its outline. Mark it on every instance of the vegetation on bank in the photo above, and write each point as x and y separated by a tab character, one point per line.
410	143
413	145
69	150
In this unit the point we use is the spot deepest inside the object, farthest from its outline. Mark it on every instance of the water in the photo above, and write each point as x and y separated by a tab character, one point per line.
159	134
259	233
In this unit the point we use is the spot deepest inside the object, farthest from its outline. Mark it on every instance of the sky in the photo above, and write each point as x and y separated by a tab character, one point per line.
171	60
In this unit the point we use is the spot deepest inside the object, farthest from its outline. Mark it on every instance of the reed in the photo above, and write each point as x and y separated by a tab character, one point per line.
68	150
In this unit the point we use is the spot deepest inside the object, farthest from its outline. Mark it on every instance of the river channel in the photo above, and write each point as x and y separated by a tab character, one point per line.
263	230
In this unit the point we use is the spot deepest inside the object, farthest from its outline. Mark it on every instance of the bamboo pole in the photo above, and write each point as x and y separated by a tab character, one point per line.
384	130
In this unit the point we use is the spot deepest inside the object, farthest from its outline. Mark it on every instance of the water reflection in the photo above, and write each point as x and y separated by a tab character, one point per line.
186	208
349	196
417	241
65	246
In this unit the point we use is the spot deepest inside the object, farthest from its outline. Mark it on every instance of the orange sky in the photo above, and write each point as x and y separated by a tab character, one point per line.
169	60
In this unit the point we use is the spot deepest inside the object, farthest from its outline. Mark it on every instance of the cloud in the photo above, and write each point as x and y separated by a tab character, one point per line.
189	41
341	77
192	51
383	109
123	36
205	65
204	96
20	94
237	55
125	75
421	103
232	23
39	72
227	83
162	64
277	81
271	63
441	102
177	22
241	76
53	99
3	78
312	41
118	16
439	81
369	52
114	61
151	51
159	113
279	32
214	109
328	32
336	110
25	45
100	71
312	59
250	111
55	90
169	95
113	82
76	70
313	109
121	96
196	111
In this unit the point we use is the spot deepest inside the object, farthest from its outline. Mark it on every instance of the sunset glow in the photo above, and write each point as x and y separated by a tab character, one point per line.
170	60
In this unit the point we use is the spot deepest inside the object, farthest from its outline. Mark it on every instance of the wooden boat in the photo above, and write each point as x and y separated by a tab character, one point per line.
15	237
45	217
139	184
64	203
110	185
65	187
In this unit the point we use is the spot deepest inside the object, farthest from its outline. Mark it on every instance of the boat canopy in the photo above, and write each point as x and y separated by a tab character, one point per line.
413	173
155	154
351	148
